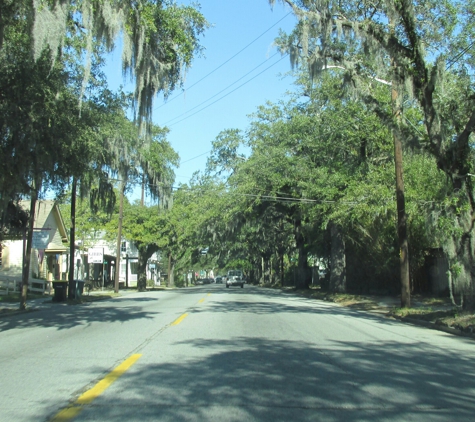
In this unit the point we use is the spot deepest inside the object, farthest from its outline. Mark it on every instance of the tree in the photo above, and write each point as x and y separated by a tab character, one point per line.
160	38
38	125
144	227
321	160
147	159
419	39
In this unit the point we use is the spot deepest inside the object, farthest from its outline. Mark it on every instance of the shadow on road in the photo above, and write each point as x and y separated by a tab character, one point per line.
262	380
63	317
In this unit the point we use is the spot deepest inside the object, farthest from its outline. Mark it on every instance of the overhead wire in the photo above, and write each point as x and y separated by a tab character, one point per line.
194	158
455	59
225	62
229	93
224	89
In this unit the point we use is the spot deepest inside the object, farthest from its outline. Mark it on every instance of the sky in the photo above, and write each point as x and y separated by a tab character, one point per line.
240	70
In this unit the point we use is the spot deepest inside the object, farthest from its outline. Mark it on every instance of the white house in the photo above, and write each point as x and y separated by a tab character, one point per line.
106	268
49	254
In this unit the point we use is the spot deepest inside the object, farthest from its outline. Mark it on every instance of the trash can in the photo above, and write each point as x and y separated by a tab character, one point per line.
79	288
60	291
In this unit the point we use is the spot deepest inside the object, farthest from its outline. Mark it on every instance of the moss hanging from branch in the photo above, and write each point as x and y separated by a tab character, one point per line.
159	38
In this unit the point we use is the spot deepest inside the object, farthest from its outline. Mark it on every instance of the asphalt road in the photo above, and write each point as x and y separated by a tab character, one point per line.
215	354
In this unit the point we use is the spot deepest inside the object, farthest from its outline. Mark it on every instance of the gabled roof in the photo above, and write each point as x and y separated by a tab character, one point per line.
45	208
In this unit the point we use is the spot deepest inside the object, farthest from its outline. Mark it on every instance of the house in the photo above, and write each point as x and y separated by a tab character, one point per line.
49	253
98	261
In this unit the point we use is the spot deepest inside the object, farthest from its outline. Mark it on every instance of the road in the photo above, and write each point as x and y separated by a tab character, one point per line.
214	354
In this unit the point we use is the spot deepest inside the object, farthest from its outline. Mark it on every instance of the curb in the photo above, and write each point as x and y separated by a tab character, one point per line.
433	326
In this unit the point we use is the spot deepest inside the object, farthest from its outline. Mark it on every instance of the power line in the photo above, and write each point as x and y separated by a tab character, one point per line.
227	61
194	158
229	93
224	89
458	56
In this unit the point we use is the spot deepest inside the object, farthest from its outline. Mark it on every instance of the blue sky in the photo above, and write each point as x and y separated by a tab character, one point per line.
207	106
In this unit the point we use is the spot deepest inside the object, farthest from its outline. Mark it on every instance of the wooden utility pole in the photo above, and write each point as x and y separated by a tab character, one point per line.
72	240
27	245
142	197
119	237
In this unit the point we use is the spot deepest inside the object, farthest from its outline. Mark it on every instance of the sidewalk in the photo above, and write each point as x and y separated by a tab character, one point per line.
9	308
46	302
428	312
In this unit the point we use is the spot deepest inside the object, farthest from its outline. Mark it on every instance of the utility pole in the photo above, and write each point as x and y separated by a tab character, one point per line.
119	237
142	197
169	268
72	240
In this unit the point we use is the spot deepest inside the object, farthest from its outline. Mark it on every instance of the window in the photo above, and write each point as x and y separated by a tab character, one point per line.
123	247
133	267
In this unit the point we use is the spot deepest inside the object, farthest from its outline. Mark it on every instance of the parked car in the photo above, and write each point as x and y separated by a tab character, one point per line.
235	278
218	280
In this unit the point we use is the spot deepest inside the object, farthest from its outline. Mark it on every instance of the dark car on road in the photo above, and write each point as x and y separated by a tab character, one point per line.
218	280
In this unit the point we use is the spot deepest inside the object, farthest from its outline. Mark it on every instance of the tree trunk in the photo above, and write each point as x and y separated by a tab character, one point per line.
461	250
262	271
304	275
338	261
281	262
72	240
171	269
145	253
142	271
266	269
401	203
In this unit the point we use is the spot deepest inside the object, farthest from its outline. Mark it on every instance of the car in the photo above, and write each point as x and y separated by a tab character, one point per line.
235	278
218	280
199	281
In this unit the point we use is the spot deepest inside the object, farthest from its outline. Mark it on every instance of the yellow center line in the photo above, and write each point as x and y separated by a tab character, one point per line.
201	300
91	394
180	319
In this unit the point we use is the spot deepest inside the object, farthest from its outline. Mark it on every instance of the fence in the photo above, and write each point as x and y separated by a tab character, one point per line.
10	284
